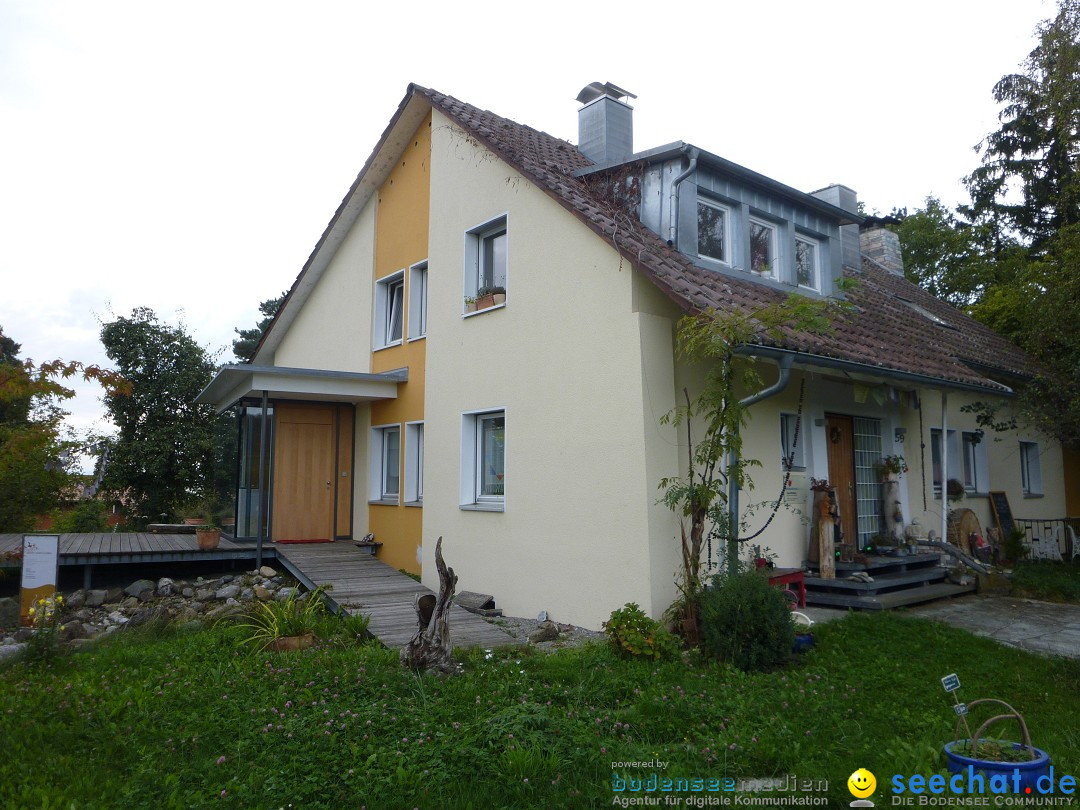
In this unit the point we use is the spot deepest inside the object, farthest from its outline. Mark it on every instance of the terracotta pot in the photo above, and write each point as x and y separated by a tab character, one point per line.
292	643
485	301
194	521
208	539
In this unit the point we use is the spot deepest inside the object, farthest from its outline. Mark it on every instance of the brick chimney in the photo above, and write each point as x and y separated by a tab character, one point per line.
881	244
605	123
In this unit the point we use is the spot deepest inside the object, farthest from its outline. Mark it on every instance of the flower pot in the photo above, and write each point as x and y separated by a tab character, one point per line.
208	539
1029	770
485	301
194	521
292	643
500	298
470	306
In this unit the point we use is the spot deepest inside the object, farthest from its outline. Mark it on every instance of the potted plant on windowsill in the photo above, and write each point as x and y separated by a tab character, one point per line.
470	304
487	297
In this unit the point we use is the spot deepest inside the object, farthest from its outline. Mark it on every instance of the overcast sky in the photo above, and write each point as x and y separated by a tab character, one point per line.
186	156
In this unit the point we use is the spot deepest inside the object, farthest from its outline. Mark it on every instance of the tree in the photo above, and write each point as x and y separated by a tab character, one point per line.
163	453
712	339
245	345
35	460
1029	180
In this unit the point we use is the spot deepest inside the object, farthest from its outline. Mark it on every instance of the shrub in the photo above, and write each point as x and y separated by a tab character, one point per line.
746	622
87	516
635	635
44	644
1015	547
300	615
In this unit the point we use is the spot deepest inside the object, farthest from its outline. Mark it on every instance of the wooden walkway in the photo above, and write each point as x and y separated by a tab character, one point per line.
359	582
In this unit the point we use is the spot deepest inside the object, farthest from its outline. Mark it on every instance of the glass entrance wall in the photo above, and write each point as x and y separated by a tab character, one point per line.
867	488
253	487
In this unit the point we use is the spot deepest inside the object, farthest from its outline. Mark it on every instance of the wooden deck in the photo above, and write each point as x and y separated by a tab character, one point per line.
359	582
135	547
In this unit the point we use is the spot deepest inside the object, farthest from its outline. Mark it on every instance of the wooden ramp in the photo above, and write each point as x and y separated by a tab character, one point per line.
357	581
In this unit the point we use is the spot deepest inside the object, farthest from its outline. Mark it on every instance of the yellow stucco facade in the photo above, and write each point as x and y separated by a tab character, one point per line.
401	243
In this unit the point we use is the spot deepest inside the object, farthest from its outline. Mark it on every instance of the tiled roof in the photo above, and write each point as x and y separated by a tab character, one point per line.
884	331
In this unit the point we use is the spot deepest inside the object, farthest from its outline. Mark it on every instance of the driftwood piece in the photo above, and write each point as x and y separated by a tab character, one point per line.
823	535
431	647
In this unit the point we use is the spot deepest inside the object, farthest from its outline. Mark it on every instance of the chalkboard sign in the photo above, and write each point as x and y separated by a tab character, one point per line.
999	505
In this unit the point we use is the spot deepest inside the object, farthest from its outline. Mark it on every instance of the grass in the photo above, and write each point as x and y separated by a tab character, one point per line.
192	719
1044	579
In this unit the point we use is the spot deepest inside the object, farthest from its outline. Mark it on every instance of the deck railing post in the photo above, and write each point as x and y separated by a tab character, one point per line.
264	496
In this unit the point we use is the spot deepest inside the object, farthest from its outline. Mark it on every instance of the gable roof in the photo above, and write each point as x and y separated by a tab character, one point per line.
895	329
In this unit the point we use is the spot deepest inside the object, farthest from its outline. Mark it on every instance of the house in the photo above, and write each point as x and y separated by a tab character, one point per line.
481	347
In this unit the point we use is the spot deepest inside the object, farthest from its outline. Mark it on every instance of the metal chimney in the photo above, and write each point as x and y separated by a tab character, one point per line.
605	123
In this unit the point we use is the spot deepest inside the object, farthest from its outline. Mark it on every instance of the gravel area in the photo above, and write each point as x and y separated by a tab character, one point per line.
569	635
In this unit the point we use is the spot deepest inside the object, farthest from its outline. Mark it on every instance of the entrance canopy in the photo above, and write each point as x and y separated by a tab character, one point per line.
235	382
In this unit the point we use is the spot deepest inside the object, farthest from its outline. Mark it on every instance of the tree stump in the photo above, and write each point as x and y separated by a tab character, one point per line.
823	535
431	647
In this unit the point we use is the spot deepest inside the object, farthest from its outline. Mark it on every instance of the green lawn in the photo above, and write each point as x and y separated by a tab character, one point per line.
188	720
1047	580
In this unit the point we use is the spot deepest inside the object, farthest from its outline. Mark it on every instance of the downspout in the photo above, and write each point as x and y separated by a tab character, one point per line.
784	362
944	467
673	203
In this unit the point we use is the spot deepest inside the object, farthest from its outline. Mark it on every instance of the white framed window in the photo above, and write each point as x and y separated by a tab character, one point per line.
486	260
714	222
389	310
418	294
414	462
763	253
385	478
791	450
483	460
1030	469
976	468
806	263
955	463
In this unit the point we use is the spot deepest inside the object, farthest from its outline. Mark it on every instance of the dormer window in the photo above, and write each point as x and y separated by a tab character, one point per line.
713	224
763	248
806	263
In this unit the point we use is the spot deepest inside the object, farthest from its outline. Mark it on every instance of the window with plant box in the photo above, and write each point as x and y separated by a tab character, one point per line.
483	460
806	263
954	470
714	221
385	479
792	451
1030	469
414	463
976	467
485	265
763	253
418	294
389	310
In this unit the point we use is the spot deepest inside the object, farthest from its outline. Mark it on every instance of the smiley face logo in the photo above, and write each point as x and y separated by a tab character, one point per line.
861	783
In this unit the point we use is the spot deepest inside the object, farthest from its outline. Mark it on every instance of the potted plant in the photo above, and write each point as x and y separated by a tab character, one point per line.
485	297
996	757
499	295
470	304
890	468
208	536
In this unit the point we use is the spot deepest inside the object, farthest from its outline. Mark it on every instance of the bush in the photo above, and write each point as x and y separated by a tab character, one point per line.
746	622
635	635
87	516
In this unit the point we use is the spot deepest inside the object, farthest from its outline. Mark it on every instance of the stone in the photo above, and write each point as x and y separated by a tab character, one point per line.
165	587
139	586
283	594
8	641
9	612
131	602
268	572
227	578
247	595
72	630
116	617
84	615
546	631
75	600
96	598
204	594
261	593
114	595
187	592
228	592
23	634
231	601
145	615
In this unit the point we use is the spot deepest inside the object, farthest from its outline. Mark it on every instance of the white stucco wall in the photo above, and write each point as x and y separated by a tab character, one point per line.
333	329
564	359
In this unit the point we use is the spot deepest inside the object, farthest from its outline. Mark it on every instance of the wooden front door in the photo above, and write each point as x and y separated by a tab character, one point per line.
840	440
304	473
